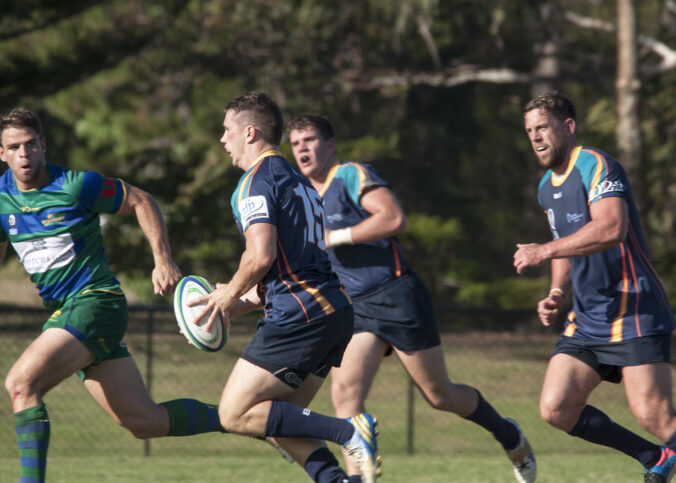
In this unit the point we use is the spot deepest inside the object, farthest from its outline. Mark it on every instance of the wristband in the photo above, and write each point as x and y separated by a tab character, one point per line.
340	237
557	291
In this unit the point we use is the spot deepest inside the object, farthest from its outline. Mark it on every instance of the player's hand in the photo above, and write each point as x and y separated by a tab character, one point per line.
165	277
528	255
218	302
549	308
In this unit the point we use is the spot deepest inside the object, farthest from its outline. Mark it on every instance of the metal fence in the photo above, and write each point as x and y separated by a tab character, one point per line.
503	353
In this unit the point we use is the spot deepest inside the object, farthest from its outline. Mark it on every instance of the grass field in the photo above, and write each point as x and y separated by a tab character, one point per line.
508	368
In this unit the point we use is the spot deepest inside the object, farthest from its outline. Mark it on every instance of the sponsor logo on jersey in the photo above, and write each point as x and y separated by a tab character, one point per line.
335	217
11	220
29	209
604	187
558	195
574	217
252	208
42	254
53	219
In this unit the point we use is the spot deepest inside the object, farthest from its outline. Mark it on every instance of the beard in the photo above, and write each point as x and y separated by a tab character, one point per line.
556	157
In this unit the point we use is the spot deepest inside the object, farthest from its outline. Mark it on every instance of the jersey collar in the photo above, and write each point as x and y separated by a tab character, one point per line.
558	180
329	179
271	152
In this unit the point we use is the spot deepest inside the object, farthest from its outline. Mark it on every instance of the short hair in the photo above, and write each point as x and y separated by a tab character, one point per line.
320	123
263	113
20	118
555	103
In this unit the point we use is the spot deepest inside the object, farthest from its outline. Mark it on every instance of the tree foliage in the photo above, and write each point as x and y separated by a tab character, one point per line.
428	91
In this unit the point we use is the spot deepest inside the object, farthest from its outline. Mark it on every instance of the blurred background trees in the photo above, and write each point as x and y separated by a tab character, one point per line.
428	91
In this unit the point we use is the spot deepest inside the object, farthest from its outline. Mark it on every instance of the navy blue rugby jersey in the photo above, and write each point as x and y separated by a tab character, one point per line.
363	266
300	286
616	293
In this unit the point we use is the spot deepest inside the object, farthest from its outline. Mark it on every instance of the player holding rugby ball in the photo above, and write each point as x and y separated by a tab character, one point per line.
307	320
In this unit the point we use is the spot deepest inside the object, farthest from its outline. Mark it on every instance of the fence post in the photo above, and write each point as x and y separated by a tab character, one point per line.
410	402
149	366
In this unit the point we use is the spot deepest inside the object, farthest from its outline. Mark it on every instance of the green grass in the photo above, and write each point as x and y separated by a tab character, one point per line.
508	369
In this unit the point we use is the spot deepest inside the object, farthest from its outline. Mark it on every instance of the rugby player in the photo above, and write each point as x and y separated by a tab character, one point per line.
621	322
307	320
392	306
50	215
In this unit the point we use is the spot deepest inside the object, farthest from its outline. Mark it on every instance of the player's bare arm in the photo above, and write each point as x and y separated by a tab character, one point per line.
248	302
387	217
259	255
166	273
607	228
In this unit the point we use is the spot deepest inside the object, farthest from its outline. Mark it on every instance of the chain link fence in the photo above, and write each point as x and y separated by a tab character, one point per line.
502	353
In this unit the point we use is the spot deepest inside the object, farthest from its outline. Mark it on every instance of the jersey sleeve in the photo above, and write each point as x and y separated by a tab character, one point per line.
602	176
256	201
99	193
358	178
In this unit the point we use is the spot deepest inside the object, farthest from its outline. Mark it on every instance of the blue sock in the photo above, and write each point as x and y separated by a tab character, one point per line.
323	467
190	416
596	427
32	432
287	420
488	418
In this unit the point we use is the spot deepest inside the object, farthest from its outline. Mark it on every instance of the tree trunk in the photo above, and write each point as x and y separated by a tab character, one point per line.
628	85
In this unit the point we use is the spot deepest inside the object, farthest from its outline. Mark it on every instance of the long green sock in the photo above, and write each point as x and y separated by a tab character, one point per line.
190	416
32	432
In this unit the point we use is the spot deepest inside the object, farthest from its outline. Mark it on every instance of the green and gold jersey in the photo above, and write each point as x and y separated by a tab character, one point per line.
56	231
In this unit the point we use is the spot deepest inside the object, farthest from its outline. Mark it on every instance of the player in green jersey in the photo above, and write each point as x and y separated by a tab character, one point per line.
50	215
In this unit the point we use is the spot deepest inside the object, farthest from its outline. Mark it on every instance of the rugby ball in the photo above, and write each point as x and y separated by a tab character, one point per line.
189	288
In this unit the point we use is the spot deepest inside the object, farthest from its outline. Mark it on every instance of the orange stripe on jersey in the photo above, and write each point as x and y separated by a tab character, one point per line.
347	296
570	330
616	330
649	267
246	182
558	180
316	294
635	281
571	327
329	179
397	261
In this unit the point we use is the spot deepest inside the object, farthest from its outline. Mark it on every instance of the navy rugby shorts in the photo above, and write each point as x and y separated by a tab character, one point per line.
293	352
608	358
400	311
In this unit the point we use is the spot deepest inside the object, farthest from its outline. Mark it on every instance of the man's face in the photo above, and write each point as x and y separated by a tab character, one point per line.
234	139
551	139
314	155
24	152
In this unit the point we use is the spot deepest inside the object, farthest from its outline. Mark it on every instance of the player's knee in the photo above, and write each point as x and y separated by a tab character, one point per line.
344	396
438	401
447	397
233	423
139	428
17	384
554	415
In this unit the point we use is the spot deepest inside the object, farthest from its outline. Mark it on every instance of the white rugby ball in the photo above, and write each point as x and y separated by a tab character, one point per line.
189	288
